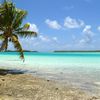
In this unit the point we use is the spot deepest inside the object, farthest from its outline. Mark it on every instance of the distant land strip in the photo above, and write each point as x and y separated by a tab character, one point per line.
16	51
79	51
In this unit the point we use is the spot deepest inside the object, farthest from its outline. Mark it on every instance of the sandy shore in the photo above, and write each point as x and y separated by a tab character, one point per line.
27	87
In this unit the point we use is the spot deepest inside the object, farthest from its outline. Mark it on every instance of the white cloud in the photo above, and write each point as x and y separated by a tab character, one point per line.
85	41
73	23
88	36
98	28
87	31
81	23
55	38
53	24
44	38
87	28
33	27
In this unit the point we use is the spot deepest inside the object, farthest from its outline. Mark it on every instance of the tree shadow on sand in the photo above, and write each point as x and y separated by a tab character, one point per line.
13	72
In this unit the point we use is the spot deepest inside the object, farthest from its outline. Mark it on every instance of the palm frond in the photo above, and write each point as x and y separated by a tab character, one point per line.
20	15
15	36
26	33
6	13
18	29
10	24
4	45
1	37
17	45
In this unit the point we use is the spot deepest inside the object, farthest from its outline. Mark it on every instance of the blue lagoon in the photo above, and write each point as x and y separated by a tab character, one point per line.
79	69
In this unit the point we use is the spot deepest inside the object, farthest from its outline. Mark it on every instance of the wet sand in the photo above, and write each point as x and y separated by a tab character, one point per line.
27	87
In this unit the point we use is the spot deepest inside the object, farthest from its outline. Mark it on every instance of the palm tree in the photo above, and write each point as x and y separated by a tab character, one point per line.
11	26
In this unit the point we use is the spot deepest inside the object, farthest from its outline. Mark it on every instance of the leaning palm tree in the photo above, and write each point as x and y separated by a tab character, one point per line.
11	26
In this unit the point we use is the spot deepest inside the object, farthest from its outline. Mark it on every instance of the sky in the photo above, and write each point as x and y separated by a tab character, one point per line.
62	24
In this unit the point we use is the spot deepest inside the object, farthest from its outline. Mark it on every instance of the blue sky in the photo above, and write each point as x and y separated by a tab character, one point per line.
62	24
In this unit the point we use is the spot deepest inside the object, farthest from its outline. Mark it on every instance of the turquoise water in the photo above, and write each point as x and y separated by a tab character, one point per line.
81	69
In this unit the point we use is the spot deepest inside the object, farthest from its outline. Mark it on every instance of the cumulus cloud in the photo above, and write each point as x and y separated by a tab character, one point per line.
55	38
33	27
41	43
88	36
44	38
73	23
98	28
85	41
87	31
69	23
53	24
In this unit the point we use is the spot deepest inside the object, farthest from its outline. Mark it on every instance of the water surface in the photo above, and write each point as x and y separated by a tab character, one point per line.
79	69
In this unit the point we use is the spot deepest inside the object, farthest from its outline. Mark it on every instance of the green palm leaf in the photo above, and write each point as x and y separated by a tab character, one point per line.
18	46
1	37
26	33
10	24
19	16
4	45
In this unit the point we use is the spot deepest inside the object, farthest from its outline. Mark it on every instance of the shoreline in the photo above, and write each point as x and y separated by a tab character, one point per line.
26	87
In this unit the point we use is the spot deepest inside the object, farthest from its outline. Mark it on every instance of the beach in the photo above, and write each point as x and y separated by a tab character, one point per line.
27	87
50	76
49	50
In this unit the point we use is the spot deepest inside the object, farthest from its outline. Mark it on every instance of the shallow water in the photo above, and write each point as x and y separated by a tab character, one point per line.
81	69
